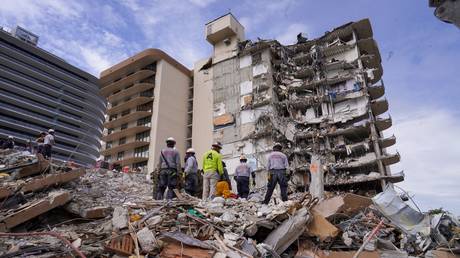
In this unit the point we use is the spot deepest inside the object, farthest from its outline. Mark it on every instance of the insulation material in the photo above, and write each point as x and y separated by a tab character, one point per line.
247	116
245	61
224	119
219	109
259	69
245	87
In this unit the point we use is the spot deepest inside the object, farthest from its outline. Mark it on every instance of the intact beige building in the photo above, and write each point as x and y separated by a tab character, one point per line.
149	99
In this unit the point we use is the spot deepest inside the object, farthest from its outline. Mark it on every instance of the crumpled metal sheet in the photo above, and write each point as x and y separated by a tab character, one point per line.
401	214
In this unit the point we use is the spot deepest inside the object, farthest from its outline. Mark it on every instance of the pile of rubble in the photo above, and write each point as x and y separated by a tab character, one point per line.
48	211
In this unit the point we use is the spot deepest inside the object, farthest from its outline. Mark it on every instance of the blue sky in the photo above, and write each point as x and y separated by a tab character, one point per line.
420	59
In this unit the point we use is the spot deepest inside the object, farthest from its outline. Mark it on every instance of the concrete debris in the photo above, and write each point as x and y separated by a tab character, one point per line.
129	221
120	218
318	100
146	239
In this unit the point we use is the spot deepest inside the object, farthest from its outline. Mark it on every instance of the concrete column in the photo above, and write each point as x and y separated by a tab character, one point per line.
378	153
317	177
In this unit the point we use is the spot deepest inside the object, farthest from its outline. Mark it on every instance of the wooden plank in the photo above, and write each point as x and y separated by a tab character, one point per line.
53	200
176	250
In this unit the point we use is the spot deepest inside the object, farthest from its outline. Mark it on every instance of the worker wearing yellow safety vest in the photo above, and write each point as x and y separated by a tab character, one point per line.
212	170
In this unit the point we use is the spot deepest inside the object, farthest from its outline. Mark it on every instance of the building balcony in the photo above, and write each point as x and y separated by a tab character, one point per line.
124	133
130	79
367	161
133	116
383	123
129	161
387	142
370	54
130	104
124	147
376	92
379	106
137	88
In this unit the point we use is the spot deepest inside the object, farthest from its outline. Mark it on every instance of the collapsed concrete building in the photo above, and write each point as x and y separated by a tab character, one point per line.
323	99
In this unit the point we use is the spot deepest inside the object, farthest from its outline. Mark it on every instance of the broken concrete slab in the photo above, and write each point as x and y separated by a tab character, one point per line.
120	218
40	182
33	209
52	179
146	239
88	213
175	249
288	232
349	204
40	166
320	227
185	239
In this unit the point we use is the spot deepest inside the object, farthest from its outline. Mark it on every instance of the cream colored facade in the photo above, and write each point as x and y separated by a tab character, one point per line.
224	33
148	97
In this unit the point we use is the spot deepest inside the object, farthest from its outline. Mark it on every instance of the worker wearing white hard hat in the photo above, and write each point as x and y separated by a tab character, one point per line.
48	144
169	167
191	172
242	173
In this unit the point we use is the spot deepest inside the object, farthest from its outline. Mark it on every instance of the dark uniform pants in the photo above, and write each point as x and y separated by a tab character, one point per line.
47	151
168	179
242	185
276	176
191	183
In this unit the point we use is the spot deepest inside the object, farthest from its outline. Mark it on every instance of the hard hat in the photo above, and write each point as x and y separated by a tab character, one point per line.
242	157
217	144
170	139
50	131
10	137
190	150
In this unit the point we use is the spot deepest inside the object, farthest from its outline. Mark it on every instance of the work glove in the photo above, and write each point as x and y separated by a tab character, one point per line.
254	183
235	178
221	177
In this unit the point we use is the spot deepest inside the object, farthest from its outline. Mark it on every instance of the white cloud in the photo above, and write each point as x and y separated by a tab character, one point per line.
180	33
429	145
95	58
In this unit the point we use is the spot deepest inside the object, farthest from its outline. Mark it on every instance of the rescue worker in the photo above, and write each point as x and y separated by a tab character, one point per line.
191	172
169	166
40	142
212	170
242	173
8	143
277	166
48	143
